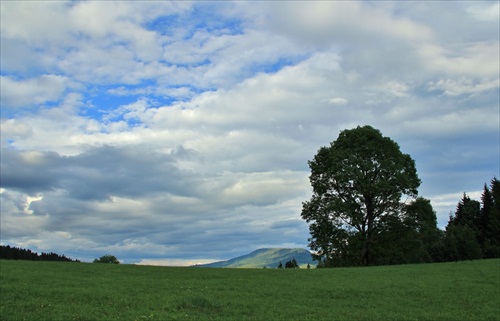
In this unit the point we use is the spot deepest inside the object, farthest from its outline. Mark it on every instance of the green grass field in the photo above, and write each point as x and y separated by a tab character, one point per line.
80	291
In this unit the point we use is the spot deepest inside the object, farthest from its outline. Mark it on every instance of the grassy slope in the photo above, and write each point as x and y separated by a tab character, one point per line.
77	291
269	257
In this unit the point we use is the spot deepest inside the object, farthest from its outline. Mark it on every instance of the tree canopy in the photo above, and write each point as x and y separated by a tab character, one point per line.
358	183
107	259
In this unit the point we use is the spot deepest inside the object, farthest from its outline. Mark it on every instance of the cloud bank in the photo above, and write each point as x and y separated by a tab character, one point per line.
180	131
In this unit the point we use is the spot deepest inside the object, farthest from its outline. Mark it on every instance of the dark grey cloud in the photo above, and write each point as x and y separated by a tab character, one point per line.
98	173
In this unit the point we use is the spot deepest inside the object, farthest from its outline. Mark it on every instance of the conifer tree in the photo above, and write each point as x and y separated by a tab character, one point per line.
490	220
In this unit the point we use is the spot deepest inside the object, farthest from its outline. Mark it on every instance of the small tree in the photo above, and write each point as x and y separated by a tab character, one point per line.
107	259
292	264
280	266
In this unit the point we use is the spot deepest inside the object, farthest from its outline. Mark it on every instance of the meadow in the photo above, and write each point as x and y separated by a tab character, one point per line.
468	290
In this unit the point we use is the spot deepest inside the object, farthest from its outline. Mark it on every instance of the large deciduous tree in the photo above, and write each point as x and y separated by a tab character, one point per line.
358	182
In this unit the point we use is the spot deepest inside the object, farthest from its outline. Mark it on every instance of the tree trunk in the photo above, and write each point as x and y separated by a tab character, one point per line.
368	235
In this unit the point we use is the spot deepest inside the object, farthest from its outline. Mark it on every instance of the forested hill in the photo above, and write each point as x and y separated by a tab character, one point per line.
15	253
269	257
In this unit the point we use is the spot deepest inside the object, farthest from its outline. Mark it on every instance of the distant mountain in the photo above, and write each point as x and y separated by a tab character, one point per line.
269	258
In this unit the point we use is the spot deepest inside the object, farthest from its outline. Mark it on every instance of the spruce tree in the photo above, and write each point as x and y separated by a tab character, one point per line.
490	220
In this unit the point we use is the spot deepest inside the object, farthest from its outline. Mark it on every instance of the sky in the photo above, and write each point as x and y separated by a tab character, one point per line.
179	132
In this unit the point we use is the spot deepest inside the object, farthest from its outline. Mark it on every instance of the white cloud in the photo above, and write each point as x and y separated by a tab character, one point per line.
397	89
337	101
452	199
107	39
347	21
27	210
478	59
35	22
463	86
119	22
13	129
486	10
32	91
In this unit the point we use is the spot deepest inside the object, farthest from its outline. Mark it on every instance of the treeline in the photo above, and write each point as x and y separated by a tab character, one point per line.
15	253
472	232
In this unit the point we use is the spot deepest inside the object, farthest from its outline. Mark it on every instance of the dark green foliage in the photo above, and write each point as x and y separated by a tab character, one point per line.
468	213
107	259
474	231
14	253
461	243
421	218
397	243
357	181
292	264
490	220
